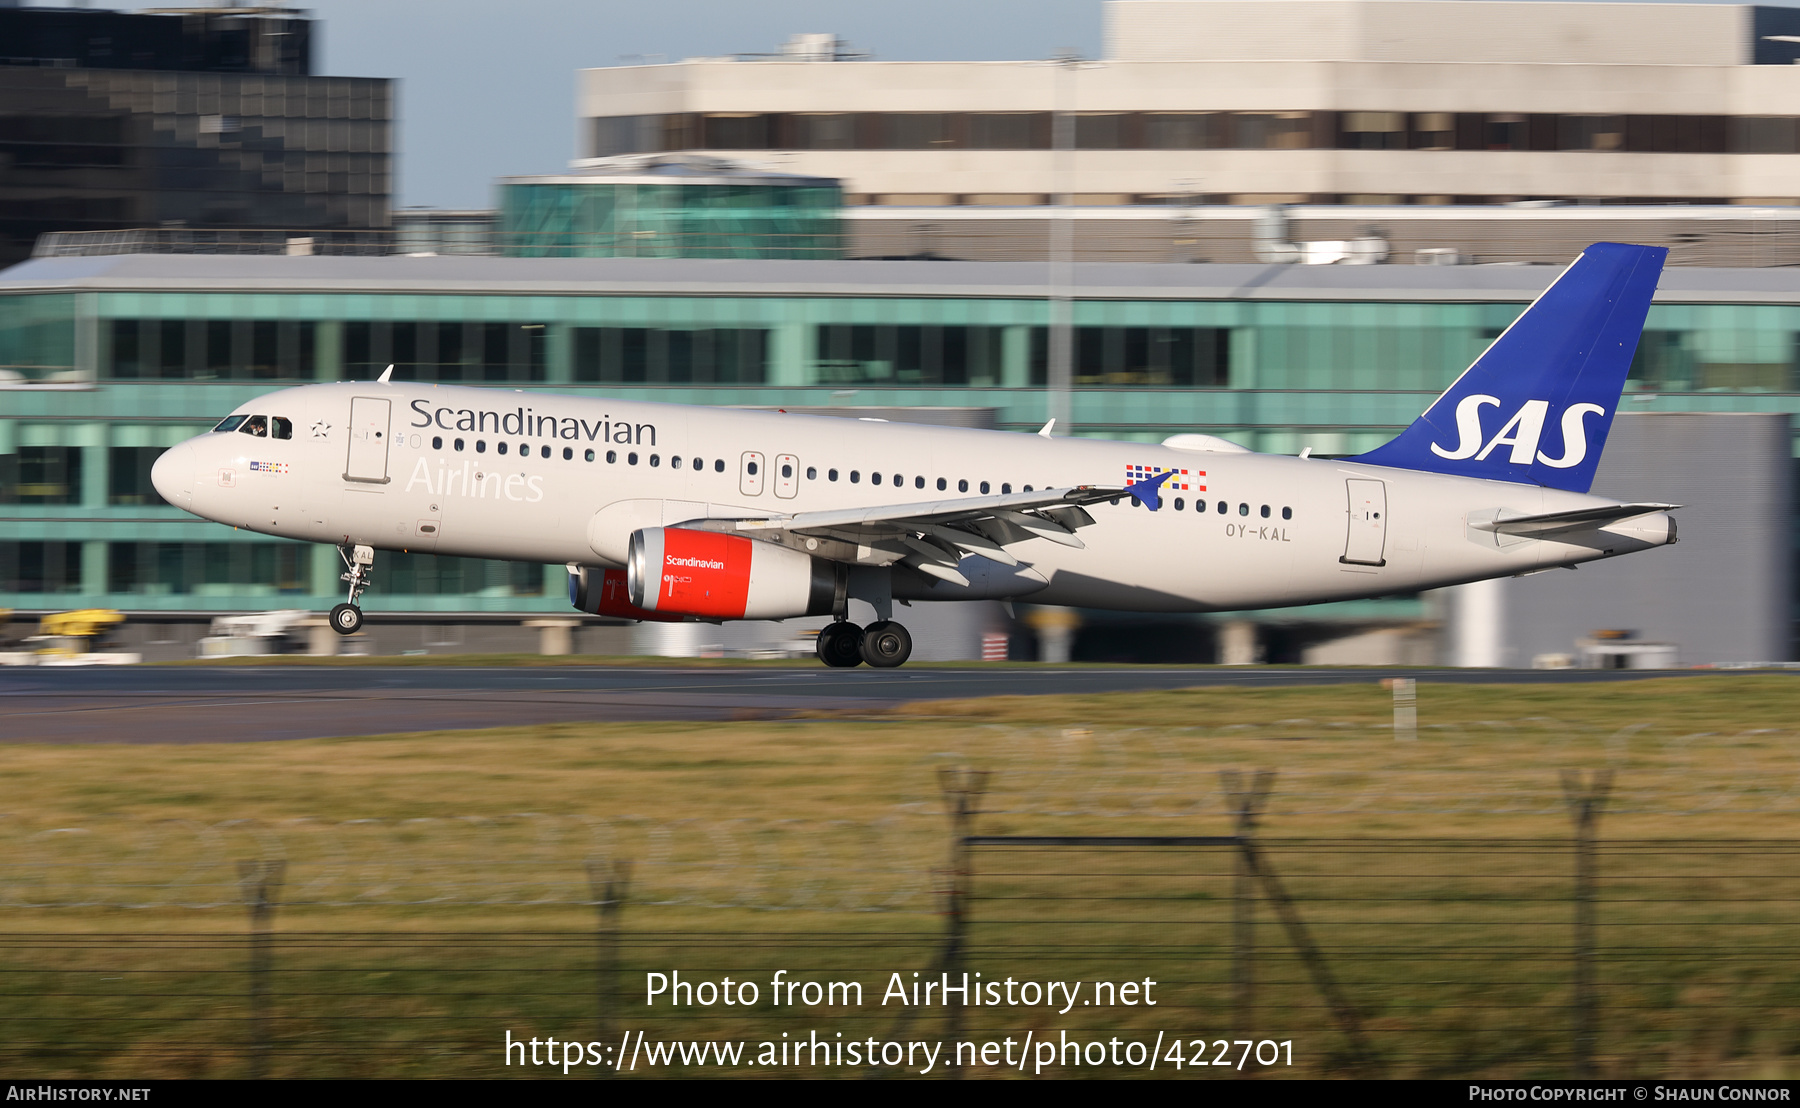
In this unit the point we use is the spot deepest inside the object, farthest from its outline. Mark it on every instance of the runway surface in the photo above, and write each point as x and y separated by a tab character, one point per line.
206	704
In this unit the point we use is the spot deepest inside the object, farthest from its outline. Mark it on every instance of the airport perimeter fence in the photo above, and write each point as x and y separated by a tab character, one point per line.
1071	895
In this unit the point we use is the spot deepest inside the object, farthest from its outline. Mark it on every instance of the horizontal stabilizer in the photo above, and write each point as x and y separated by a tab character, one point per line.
1581	519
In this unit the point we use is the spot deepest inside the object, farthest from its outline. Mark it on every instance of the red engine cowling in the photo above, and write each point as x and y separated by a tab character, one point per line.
673	571
604	592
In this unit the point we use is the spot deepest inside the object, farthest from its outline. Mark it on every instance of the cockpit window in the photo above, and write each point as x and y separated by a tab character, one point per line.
255	425
230	423
280	428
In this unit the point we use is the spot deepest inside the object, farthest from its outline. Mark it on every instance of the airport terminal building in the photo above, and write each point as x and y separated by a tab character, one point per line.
1358	102
110	359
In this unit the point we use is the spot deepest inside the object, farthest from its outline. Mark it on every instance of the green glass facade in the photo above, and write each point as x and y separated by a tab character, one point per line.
117	375
650	218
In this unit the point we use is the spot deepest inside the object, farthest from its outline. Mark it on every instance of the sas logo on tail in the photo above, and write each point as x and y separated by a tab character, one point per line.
1521	433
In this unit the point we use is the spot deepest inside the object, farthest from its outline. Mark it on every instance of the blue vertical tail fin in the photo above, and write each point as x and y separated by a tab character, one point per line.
1536	406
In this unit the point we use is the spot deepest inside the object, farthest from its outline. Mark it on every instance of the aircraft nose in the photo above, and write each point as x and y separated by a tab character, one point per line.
173	475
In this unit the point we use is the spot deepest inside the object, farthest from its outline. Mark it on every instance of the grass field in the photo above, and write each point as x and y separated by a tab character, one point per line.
1435	873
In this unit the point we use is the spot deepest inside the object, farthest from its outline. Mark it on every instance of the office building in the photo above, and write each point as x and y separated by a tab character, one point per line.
1266	101
190	117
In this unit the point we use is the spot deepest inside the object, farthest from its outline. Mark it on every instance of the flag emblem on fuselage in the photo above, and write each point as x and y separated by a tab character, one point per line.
1182	481
269	467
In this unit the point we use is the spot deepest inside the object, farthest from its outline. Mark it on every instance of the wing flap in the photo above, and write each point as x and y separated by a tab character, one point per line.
932	536
951	511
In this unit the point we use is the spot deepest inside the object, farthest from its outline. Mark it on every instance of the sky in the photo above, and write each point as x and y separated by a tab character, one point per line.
487	89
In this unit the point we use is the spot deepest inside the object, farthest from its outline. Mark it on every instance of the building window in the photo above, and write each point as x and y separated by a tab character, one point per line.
1272	130
626	134
41	475
212	349
1187	130
1590	132
440	575
1434	131
823	131
449	352
128	475
1763	134
1505	131
40	567
1372	131
887	354
1009	130
209	568
655	355
1166	357
735	131
1105	131
915	131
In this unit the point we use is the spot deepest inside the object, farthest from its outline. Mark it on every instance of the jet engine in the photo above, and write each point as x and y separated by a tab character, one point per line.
675	571
603	593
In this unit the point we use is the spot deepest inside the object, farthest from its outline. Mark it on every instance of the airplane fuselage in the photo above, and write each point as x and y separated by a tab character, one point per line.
540	477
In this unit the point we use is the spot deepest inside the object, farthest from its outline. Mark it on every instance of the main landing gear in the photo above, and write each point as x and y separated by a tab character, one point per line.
884	644
347	618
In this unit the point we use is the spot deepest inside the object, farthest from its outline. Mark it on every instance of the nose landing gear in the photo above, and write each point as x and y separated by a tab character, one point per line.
347	618
883	644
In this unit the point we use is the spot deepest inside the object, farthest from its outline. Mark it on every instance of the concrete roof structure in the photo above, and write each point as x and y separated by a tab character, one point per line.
688	277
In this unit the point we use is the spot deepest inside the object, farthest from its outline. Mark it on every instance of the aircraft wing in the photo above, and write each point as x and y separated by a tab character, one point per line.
1581	519
934	535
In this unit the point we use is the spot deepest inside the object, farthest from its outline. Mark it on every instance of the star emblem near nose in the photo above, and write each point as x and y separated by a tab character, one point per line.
321	430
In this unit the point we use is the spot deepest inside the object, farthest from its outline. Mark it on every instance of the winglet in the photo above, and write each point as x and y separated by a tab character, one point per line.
385	374
1149	490
1044	431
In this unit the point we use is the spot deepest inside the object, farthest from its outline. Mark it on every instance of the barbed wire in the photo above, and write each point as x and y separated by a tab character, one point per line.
892	862
1488	767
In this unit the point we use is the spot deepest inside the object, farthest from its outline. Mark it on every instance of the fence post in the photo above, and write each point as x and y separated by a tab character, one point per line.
962	797
1246	804
608	885
1406	706
1585	794
259	882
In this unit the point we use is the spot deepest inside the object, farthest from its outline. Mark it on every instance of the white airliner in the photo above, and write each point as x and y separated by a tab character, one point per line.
670	512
